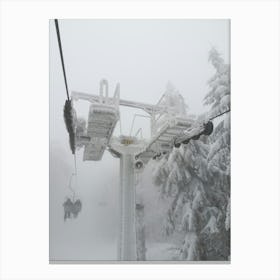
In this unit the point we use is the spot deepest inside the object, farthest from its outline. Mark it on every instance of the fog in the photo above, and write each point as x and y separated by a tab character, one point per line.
143	55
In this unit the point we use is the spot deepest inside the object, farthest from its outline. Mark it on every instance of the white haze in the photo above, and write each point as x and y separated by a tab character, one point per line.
143	55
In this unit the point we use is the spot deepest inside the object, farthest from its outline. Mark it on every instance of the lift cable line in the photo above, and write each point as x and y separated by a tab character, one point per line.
227	111
71	188
75	165
68	109
61	56
204	128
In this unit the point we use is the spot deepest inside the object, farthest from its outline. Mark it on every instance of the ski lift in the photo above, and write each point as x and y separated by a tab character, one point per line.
72	206
162	141
69	112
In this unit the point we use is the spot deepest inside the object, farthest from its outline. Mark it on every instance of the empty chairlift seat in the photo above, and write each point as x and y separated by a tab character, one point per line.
102	119
168	125
163	140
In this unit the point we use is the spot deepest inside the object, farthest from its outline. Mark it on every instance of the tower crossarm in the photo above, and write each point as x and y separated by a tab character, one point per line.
93	98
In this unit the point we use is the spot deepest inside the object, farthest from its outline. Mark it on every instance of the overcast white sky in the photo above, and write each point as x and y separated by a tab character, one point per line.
143	55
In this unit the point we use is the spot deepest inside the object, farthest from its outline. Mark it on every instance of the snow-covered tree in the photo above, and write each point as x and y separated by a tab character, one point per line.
181	177
195	181
218	160
219	95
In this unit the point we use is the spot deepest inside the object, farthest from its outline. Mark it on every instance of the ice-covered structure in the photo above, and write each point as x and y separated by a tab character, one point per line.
102	118
169	120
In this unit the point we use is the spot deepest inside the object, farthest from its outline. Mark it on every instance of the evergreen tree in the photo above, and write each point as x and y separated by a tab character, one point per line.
218	160
196	180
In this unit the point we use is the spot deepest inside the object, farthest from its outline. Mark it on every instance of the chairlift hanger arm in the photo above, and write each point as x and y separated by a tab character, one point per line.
134	117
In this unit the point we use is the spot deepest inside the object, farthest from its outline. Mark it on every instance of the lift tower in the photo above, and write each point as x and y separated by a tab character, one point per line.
168	122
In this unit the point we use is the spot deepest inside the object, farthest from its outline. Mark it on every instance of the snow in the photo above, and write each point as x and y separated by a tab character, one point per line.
190	250
211	226
227	221
161	252
187	221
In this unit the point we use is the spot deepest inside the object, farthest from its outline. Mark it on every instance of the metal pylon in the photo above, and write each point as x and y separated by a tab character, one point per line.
127	232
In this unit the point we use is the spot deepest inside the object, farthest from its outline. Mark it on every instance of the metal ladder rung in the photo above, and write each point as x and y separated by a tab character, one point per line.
101	121
95	132
99	135
98	129
182	124
102	115
165	138
168	134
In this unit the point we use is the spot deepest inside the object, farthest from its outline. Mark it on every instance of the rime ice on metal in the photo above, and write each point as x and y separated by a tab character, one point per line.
168	121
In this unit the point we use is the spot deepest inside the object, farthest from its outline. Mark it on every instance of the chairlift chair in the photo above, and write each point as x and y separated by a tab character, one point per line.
102	118
72	206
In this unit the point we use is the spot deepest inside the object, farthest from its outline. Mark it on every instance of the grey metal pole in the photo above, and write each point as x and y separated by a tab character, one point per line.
127	234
